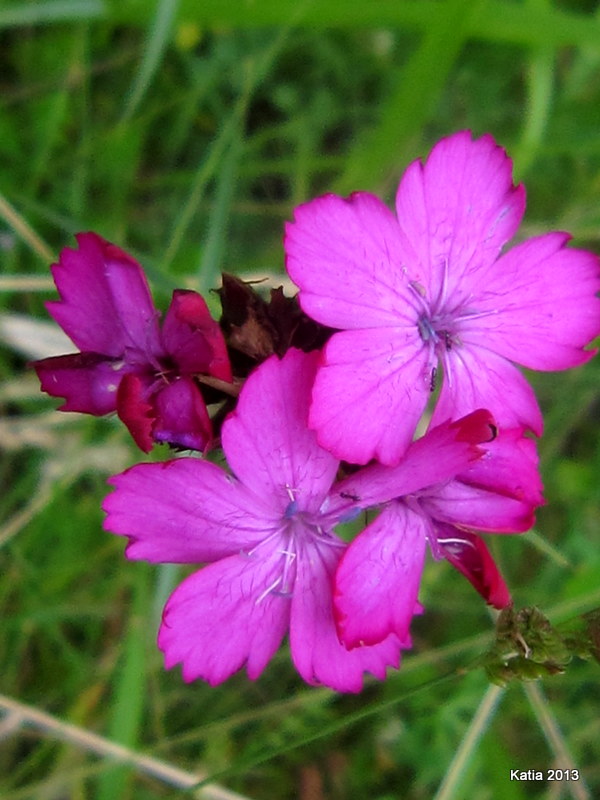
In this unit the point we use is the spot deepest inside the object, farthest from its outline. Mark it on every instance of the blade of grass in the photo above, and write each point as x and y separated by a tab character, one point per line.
540	85
556	741
24	230
130	691
253	75
496	20
216	238
59	11
24	715
167	576
419	88
534	539
158	38
450	786
324	731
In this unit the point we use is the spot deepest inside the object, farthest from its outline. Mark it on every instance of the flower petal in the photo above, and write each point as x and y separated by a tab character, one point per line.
316	649
192	337
498	492
457	211
541	304
266	440
217	622
348	259
436	458
135	410
510	467
378	578
478	378
470	556
181	416
87	381
369	394
184	511
105	303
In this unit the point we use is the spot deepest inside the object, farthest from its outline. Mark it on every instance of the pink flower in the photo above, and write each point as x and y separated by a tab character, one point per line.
267	533
379	574
428	292
126	362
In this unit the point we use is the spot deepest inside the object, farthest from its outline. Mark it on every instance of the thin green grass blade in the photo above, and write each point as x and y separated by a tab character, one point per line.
23	229
496	21
158	38
130	691
254	74
407	110
249	763
450	787
540	90
59	11
548	723
211	261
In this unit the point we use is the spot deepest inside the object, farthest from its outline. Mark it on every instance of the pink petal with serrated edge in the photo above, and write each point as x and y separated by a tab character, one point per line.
105	303
541	303
266	440
348	259
458	210
185	511
378	578
220	620
317	653
478	378
369	394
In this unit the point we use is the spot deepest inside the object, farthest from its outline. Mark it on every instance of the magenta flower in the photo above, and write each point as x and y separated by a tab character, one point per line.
379	574
127	363
268	533
428	292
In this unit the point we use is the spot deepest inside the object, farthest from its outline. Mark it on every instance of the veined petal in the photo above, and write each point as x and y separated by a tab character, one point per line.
509	467
317	653
478	378
266	440
369	394
347	257
378	578
457	211
468	553
87	381
181	415
105	303
193	338
478	507
499	492
185	511
223	618
541	303
434	459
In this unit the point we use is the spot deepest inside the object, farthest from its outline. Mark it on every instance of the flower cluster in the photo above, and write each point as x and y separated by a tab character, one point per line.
396	314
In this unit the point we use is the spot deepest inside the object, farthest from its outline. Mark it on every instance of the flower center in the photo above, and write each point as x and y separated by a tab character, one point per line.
438	332
297	533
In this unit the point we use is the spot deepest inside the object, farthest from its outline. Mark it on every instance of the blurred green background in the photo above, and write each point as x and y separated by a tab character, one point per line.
186	132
